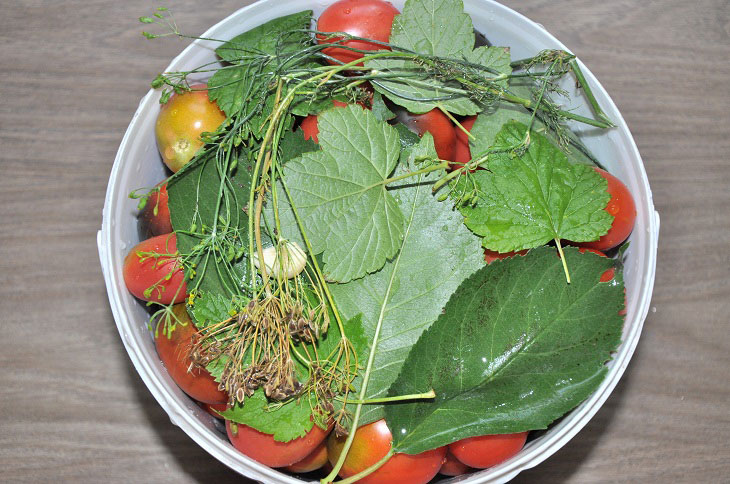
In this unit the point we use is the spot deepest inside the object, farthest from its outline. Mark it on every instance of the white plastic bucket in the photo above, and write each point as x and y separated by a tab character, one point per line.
137	164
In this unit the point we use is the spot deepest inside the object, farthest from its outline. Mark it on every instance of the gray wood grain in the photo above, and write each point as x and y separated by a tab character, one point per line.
72	407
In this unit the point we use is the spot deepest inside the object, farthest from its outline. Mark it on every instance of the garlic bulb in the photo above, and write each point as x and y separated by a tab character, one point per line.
293	260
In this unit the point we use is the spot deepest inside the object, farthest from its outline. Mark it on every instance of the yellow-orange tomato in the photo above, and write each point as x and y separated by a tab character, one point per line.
180	123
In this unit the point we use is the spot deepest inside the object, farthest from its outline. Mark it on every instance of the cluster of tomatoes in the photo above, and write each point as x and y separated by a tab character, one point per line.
152	273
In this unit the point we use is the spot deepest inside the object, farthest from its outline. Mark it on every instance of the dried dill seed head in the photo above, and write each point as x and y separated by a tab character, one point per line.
340	431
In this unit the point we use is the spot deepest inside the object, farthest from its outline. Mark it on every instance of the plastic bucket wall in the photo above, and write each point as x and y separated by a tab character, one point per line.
137	164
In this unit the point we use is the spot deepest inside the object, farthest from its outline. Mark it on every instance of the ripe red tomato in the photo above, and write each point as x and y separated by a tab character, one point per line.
157	223
462	155
214	408
152	271
468	124
623	209
370	19
436	123
310	127
175	355
491	255
264	449
453	466
181	121
370	444
487	450
316	460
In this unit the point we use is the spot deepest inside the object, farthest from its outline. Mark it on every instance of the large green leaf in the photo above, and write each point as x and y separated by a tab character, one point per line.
435	28
341	196
526	201
515	349
407	295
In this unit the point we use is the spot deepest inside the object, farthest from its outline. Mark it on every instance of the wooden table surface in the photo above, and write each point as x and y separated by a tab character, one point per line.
72	407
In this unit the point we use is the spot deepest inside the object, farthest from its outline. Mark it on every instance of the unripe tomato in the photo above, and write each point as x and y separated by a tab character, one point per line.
175	355
370	19
156	213
623	209
264	449
487	450
453	466
370	444
152	271
180	123
316	460
436	123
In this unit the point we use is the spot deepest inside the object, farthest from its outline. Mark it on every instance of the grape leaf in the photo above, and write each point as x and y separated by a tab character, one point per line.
292	419
437	252
193	198
515	349
435	28
527	201
340	193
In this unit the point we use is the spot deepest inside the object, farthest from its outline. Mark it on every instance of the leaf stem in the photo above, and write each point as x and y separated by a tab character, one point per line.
589	93
562	258
398	398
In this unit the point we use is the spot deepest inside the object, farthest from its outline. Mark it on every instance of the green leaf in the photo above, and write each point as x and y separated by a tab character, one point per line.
193	199
380	109
267	38
340	193
293	144
293	419
210	308
490	122
435	28
515	349
286	422
527	201
407	295
242	89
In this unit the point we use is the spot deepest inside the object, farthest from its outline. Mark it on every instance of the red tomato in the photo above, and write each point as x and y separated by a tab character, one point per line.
175	355
491	255
214	408
487	450
155	278
462	155
157	223
316	460
264	449
371	443
370	19
623	209
181	121
310	126
468	124
453	466
436	123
